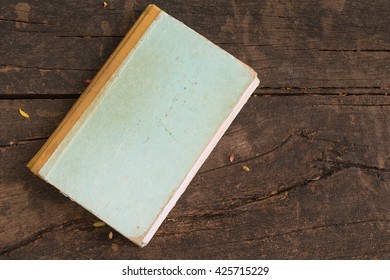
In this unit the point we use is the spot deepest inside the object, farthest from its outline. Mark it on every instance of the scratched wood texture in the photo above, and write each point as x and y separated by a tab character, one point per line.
315	135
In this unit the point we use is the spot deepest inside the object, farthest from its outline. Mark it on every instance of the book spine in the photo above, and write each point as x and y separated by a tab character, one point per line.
99	81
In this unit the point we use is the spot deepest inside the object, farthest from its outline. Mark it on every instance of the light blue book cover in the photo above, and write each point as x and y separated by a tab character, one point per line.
139	142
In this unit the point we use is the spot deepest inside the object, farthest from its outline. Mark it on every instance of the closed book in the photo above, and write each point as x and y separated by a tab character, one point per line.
135	138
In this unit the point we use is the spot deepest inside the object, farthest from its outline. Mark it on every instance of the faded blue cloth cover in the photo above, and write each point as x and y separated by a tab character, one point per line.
137	146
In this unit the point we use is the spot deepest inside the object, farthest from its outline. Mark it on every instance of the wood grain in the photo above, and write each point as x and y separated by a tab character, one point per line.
297	47
44	117
318	187
315	135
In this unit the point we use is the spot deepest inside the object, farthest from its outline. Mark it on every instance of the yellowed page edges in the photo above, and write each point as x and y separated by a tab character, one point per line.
116	58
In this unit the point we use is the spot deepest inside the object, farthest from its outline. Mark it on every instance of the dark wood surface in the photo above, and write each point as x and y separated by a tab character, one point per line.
315	134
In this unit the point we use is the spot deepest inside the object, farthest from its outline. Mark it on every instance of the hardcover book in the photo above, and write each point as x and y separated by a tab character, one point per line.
135	138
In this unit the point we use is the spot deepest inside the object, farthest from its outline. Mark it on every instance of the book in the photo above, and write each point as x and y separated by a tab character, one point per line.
138	134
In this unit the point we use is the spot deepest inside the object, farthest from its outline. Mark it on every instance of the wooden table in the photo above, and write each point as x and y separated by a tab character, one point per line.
315	134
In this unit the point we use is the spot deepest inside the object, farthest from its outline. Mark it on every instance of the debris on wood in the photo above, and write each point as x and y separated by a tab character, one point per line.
246	168
99	224
105	4
87	81
23	113
231	158
274	192
171	220
110	235
315	178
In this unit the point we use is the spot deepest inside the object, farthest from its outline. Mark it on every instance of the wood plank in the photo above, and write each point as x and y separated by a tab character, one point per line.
319	183
29	206
44	118
320	23
49	48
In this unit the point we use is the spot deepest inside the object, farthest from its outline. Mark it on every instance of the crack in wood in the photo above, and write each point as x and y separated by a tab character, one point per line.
314	88
246	127
37	235
249	159
337	167
35	96
324	226
354	105
341	165
20	142
324	91
90	36
304	183
47	68
354	50
205	215
364	255
26	22
299	230
234	206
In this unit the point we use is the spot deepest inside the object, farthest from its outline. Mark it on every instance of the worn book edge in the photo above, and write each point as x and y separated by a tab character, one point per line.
99	81
204	155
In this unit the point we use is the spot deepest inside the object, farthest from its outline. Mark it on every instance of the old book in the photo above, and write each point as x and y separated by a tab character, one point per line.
133	141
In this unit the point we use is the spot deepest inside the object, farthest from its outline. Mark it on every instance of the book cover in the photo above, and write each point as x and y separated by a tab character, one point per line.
135	138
